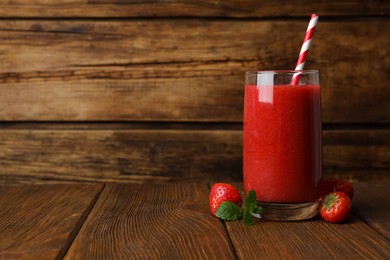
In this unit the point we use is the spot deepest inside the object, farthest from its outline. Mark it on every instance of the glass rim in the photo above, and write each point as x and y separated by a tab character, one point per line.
281	71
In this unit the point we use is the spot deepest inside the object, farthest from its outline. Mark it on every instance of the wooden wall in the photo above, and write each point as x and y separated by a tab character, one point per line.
152	91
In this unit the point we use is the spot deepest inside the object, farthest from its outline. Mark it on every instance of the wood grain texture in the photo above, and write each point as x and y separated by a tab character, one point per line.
121	155
371	203
40	221
182	69
227	8
356	150
169	221
314	239
168	155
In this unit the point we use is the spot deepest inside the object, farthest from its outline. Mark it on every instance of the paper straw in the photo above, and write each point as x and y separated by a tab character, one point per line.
305	48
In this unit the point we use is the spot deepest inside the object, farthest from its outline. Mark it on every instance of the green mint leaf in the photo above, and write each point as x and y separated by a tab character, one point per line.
250	206
248	218
250	201
229	211
258	210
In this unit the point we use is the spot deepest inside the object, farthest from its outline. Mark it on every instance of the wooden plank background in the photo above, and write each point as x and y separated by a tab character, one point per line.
133	91
207	8
168	155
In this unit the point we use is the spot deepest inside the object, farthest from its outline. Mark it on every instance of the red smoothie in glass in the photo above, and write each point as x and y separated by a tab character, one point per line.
282	142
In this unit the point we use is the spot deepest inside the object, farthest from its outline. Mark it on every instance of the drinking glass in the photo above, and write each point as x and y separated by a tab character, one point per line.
282	141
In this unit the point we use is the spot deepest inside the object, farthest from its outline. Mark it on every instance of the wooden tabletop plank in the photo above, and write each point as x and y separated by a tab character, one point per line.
313	239
317	239
40	221
227	8
371	203
169	221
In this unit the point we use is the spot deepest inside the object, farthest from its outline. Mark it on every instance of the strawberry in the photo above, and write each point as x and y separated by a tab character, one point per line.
332	184
221	192
346	187
335	207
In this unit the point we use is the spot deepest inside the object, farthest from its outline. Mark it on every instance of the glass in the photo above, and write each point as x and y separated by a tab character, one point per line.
282	142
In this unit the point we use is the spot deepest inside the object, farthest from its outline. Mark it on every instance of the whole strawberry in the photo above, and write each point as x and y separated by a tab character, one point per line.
332	184
221	192
346	187
335	207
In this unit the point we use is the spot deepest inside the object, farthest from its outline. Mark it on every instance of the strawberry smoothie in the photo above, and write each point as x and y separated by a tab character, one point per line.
282	142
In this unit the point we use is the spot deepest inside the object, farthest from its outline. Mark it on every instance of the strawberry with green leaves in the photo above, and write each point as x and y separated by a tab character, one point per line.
225	202
221	192
335	207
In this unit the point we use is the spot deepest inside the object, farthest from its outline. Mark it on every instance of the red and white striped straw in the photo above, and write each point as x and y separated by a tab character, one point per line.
305	48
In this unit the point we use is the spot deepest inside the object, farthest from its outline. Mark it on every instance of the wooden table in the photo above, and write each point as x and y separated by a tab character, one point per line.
172	221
